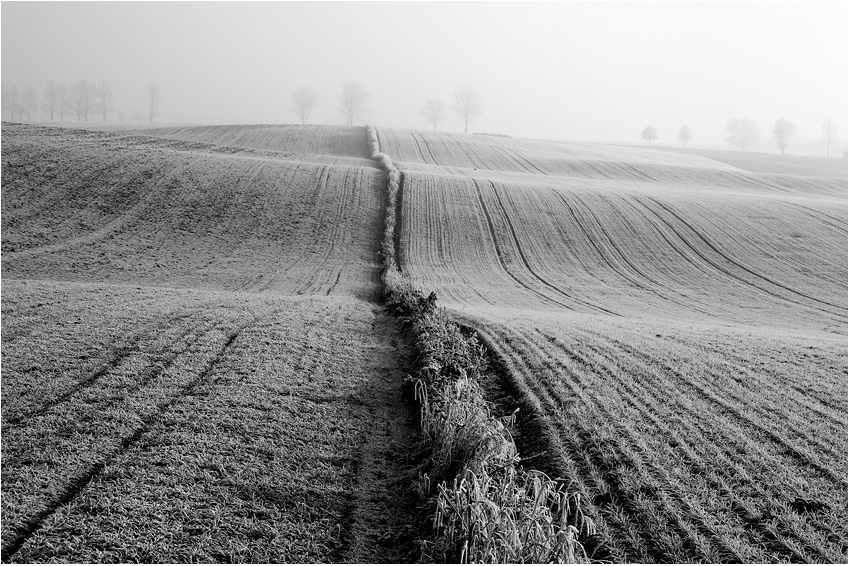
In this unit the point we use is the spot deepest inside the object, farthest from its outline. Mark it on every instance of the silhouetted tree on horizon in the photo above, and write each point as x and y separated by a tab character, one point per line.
154	100
684	135
82	93
104	100
830	133
433	111
649	134
50	99
304	99
468	105
11	99
782	132
64	102
29	102
742	132
353	101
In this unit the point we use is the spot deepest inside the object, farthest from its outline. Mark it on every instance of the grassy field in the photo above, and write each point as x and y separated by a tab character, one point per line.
194	367
197	367
677	325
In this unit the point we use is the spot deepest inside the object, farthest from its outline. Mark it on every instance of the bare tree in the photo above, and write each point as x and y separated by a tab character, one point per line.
50	99
830	133
468	106
434	111
138	115
63	101
782	132
11	99
154	100
29	101
121	115
353	101
104	101
649	134
304	99
742	132
685	135
82	97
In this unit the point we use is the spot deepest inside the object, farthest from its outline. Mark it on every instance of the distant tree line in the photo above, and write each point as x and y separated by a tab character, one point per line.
80	100
354	102
743	133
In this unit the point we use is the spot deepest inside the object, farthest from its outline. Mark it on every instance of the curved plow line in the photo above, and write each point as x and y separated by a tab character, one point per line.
840	225
713	221
715	398
500	255
642	514
584	228
734	262
576	465
78	484
713	454
717	266
732	360
800	455
695	513
528	267
716	546
427	147
120	354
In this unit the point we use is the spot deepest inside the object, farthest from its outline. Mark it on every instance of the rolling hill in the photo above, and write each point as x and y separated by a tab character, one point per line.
675	324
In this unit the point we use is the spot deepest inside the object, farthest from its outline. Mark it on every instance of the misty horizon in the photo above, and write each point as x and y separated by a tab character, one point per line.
574	71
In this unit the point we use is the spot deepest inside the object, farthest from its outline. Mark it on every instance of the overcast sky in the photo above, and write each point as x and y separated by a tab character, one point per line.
597	71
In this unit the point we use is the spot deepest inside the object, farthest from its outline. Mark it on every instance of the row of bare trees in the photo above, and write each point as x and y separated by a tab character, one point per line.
82	99
354	101
744	133
467	105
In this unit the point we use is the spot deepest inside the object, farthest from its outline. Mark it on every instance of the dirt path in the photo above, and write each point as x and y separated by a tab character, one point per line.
382	513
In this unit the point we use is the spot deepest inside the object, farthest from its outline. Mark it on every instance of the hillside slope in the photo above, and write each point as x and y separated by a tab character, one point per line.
672	327
85	206
195	368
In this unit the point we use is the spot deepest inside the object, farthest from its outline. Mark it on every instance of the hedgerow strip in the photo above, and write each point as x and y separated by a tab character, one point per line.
486	506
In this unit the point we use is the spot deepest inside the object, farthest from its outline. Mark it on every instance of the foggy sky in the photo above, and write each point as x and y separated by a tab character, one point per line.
595	71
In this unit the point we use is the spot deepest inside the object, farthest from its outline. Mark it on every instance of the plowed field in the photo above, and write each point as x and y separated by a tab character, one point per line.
676	324
86	206
194	368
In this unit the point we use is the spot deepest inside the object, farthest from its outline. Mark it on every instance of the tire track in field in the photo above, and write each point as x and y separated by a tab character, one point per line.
732	360
618	253
581	448
611	505
711	263
77	484
831	221
688	522
644	513
105	231
716	250
706	439
608	542
510	224
798	454
500	253
428	147
418	148
115	359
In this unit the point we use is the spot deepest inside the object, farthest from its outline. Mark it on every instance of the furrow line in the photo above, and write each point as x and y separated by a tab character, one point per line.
77	484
